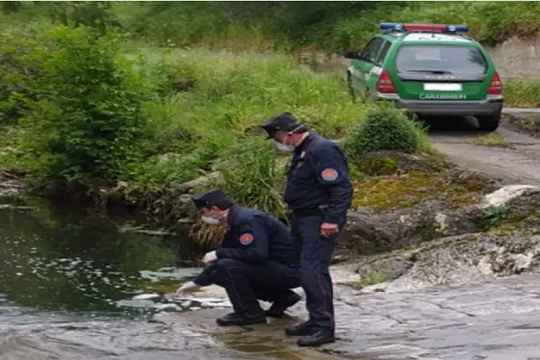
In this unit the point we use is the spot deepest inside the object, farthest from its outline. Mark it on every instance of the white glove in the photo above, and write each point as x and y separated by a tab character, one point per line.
209	257
188	287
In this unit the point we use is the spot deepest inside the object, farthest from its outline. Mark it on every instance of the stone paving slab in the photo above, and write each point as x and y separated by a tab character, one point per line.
498	320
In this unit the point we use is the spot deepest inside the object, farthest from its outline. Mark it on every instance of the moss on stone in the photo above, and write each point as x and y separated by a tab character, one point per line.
392	162
407	190
379	166
387	192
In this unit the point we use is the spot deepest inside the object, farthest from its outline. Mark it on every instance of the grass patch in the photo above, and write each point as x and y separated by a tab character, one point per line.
215	125
491	140
373	279
521	93
529	123
494	216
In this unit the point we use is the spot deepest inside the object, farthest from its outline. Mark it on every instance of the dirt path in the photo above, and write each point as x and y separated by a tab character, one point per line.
519	162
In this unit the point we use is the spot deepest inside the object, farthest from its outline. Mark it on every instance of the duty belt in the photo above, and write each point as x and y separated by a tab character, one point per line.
309	211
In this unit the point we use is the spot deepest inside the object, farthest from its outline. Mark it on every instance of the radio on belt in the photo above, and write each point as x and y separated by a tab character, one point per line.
440	28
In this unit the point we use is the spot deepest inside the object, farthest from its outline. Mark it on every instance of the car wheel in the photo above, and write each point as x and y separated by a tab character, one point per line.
488	123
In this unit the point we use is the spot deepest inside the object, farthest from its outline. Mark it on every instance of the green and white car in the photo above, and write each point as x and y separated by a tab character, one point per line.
429	70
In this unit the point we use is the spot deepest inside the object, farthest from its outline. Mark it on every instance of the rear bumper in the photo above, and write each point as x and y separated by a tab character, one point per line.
491	106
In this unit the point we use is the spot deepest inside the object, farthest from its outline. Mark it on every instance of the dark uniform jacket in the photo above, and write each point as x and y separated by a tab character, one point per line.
254	237
319	176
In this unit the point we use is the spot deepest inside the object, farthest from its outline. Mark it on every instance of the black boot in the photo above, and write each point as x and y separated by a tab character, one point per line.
317	337
301	329
279	306
241	319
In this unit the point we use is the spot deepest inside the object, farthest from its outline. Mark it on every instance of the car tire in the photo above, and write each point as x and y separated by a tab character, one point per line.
489	123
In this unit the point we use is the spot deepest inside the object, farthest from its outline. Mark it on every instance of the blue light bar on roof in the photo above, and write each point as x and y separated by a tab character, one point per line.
391	26
423	27
458	28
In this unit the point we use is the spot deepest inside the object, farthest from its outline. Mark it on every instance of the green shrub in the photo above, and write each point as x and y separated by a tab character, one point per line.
385	129
18	70
83	126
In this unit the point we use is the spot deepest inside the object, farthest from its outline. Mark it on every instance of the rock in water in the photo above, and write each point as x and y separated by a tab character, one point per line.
146	297
198	302
168	308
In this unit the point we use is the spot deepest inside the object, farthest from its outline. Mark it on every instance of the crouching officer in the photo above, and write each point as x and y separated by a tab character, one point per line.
257	260
319	193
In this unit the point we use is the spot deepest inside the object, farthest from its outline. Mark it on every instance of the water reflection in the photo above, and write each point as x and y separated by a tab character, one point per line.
67	282
78	262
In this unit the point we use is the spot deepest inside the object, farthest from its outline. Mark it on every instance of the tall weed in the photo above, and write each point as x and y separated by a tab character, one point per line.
231	95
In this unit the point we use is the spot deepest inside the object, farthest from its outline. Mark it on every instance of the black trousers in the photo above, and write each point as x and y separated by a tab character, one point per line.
315	257
246	283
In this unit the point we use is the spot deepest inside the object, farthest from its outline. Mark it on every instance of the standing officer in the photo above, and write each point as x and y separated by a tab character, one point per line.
319	193
257	260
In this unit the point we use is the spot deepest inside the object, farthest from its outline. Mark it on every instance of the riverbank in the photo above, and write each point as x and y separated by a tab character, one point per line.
193	117
197	113
393	289
199	130
193	122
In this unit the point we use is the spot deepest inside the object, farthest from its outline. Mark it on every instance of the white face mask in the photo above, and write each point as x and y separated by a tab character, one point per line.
283	147
288	148
210	220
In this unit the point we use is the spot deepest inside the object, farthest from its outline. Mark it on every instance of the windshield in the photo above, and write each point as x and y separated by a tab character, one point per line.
443	59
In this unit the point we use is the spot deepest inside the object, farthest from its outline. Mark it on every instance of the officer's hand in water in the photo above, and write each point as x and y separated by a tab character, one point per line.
187	288
209	257
328	229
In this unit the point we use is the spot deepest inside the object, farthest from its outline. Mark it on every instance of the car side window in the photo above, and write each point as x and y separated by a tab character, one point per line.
372	50
384	50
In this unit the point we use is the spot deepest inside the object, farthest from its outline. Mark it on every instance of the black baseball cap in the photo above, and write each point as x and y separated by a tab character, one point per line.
209	198
283	122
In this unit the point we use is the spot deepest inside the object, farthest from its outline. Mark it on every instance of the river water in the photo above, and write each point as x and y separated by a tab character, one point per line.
67	280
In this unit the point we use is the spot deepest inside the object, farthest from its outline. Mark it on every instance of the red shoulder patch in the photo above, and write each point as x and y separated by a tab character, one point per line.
246	239
329	174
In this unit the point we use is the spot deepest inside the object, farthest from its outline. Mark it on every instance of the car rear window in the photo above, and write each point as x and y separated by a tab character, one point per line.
455	59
